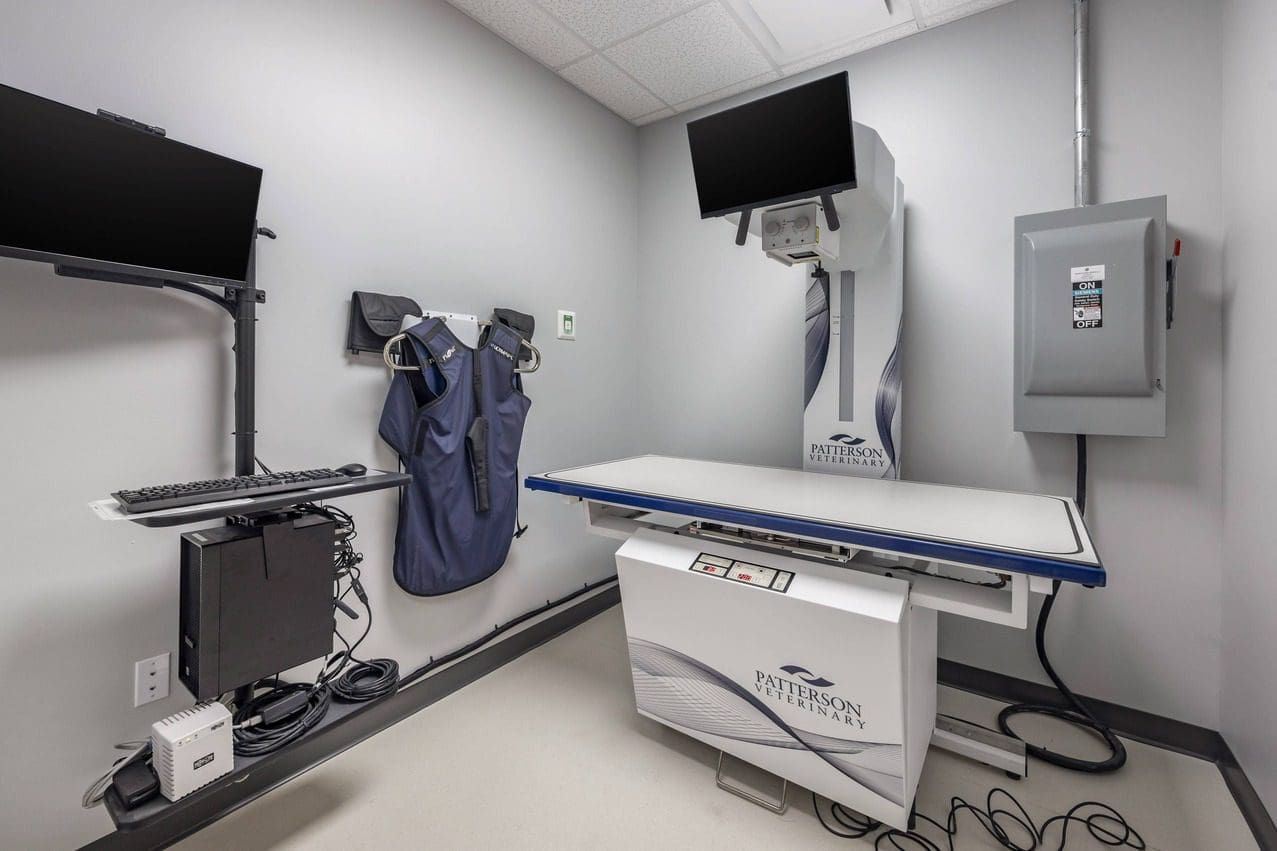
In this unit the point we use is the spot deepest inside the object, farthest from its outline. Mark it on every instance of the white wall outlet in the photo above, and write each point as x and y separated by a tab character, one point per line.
150	679
567	325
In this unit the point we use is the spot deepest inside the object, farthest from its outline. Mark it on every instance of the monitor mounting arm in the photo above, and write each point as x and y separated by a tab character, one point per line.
240	302
831	212
742	229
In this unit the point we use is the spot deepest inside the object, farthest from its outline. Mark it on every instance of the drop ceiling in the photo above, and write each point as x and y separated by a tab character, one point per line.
649	59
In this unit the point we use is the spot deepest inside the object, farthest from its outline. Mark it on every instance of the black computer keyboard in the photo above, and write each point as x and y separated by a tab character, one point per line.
160	497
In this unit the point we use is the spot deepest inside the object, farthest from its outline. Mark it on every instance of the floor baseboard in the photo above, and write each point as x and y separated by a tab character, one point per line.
1156	730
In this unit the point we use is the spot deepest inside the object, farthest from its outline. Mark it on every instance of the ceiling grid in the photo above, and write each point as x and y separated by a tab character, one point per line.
649	59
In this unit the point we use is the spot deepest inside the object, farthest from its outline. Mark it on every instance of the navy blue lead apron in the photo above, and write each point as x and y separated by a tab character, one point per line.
457	425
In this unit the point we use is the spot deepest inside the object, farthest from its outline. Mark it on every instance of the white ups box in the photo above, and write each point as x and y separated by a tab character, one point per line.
820	674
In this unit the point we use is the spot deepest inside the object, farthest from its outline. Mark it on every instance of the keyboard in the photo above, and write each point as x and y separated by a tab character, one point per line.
159	497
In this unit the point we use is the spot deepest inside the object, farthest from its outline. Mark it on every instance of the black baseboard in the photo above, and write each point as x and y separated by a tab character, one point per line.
1257	816
1135	724
325	743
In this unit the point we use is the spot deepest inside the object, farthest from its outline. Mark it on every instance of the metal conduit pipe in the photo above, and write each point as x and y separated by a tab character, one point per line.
1081	104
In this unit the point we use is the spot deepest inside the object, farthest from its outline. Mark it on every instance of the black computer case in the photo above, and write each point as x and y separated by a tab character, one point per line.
256	600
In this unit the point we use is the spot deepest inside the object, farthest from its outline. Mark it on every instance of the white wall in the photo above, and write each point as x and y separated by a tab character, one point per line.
1250	404
405	150
979	117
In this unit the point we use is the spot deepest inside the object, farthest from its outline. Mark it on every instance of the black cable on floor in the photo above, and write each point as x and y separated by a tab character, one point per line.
365	681
853	824
1005	821
1079	714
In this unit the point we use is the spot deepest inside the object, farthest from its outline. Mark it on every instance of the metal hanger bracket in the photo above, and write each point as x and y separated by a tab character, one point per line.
391	356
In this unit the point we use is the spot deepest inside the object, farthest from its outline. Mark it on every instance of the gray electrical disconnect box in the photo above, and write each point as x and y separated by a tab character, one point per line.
1090	320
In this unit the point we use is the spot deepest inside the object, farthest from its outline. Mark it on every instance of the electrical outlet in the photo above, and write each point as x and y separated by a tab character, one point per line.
150	679
567	325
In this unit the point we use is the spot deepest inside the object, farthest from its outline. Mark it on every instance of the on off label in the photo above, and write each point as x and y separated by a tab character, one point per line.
1087	284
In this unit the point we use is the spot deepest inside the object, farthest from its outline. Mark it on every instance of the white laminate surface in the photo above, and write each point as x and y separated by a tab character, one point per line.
1046	526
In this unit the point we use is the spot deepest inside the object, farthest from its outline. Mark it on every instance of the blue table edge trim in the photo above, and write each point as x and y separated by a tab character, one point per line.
1065	571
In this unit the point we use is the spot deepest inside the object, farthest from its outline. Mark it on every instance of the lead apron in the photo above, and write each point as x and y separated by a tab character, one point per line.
456	425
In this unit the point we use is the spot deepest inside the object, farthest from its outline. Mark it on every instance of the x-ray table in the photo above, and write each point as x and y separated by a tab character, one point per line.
789	618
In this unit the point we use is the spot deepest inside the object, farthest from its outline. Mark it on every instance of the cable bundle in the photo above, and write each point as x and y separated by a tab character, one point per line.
364	681
281	715
1010	826
352	679
285	711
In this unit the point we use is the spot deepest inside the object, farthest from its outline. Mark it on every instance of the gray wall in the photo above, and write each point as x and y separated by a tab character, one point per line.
979	117
405	149
1250	405
408	150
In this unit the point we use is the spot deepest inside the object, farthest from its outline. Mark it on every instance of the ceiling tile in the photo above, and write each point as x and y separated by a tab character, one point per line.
611	87
653	116
734	89
708	50
528	28
796	29
603	22
882	37
936	12
696	53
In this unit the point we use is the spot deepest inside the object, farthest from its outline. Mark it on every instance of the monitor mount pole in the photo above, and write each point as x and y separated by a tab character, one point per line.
245	314
241	303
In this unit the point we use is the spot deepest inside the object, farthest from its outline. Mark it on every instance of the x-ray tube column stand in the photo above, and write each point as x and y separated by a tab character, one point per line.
852	380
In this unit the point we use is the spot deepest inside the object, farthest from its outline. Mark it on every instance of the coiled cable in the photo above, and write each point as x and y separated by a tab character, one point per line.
364	681
1002	817
283	714
1077	712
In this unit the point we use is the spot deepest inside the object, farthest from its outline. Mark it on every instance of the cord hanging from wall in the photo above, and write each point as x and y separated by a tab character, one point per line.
1073	710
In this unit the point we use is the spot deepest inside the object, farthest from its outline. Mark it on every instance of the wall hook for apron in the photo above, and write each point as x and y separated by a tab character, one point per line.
390	354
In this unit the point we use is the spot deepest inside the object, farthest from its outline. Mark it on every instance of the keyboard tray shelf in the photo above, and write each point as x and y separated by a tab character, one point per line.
374	480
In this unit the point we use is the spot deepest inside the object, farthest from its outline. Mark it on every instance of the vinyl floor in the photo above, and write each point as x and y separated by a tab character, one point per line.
548	753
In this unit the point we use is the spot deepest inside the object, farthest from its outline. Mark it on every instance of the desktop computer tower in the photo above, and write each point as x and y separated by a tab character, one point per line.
255	600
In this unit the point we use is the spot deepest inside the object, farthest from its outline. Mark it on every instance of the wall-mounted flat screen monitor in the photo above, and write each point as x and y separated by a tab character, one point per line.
81	190
785	147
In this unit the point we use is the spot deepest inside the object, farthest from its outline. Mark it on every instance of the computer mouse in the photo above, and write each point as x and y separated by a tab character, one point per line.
353	470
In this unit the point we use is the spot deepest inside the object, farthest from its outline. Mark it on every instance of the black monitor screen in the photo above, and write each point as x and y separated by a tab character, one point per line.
78	187
787	146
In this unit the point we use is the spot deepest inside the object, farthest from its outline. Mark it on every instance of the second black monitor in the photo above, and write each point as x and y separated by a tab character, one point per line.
791	145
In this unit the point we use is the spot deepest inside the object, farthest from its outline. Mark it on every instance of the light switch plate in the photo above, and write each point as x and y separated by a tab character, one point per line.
151	679
567	325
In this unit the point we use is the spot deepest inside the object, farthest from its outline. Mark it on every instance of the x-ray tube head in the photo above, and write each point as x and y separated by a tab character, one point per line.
799	233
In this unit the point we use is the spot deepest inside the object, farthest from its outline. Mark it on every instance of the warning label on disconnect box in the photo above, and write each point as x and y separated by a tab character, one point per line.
1087	283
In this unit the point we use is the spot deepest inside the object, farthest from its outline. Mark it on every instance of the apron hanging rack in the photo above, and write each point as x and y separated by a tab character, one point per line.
390	354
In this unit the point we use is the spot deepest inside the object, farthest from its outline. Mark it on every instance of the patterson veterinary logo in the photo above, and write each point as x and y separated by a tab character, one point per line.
806	676
846	449
807	692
